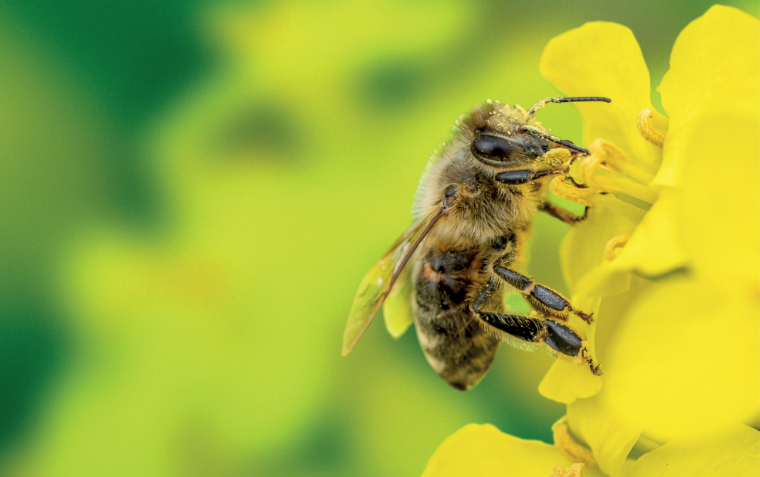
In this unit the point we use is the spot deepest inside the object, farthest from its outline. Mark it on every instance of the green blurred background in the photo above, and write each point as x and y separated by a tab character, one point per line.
190	193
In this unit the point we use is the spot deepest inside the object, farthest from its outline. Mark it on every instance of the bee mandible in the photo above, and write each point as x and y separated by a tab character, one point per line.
472	215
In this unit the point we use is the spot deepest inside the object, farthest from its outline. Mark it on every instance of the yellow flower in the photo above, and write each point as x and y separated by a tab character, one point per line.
668	258
482	451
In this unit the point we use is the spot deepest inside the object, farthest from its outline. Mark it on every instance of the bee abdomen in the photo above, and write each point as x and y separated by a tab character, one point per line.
454	343
461	361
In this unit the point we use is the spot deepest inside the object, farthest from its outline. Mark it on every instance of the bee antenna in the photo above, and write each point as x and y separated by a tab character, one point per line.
536	107
535	132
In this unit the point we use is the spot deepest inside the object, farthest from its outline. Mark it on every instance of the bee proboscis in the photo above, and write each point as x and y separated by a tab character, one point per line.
473	212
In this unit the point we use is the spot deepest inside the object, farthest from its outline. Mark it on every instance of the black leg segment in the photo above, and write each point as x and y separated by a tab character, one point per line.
521	177
527	329
557	335
540	297
549	298
562	338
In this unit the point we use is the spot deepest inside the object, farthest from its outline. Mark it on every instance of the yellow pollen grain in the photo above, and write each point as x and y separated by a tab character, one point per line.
647	130
571	449
575	470
614	244
557	157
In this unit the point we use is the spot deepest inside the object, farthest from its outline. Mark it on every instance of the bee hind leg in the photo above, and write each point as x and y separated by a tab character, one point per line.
555	334
540	297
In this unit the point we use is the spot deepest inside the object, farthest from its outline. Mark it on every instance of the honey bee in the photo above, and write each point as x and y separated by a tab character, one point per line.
473	211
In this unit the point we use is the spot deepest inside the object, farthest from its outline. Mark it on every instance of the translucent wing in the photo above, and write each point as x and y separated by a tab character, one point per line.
376	285
397	309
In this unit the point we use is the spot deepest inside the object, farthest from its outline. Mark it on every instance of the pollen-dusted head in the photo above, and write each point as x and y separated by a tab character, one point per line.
497	136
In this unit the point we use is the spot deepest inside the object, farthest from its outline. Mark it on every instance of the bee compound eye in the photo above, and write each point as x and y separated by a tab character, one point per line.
493	147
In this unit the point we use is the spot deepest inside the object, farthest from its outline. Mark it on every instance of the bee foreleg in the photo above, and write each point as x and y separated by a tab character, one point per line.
562	214
483	295
540	297
523	176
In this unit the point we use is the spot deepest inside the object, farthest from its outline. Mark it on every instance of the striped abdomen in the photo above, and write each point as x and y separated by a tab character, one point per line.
454	342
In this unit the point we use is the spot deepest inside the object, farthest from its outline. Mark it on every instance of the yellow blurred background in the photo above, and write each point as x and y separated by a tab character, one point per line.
190	193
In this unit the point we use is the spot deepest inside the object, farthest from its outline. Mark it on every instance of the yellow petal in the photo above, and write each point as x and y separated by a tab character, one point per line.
603	280
583	247
684	359
565	382
591	277
714	67
719	207
598	424
732	452
603	59
483	450
609	438
656	247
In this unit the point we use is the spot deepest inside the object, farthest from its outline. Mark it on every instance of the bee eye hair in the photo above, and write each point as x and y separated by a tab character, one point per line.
493	147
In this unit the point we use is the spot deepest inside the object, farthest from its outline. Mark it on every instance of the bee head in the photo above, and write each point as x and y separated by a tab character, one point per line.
497	139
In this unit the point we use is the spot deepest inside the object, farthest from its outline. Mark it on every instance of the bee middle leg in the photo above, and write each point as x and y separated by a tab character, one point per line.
523	176
557	335
562	214
540	297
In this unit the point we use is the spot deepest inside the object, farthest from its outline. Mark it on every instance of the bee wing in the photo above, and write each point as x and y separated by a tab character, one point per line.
378	283
397	308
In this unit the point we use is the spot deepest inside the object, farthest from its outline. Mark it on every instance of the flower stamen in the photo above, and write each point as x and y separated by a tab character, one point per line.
614	157
618	173
561	188
575	470
571	449
647	130
636	190
614	244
